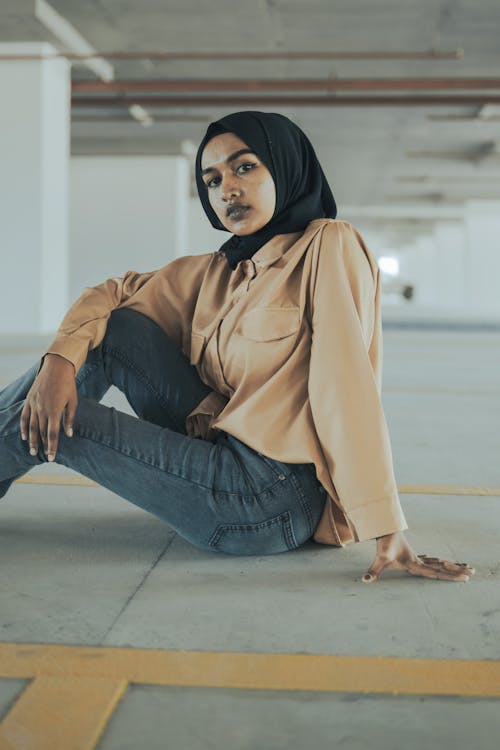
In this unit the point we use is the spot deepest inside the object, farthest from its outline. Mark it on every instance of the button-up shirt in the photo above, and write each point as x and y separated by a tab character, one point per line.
290	341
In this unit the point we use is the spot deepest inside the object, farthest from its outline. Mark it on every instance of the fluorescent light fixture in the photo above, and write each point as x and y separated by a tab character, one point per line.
188	147
140	114
389	264
72	39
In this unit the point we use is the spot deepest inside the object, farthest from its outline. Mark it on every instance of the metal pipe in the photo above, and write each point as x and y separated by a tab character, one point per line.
301	101
431	55
290	84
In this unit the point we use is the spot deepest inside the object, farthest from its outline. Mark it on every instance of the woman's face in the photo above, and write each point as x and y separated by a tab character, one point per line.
240	187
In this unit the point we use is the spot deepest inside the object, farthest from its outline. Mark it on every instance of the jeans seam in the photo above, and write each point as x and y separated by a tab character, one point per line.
143	377
304	502
84	436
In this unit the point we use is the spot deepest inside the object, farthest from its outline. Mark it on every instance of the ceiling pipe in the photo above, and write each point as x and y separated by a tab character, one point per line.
301	101
456	54
312	84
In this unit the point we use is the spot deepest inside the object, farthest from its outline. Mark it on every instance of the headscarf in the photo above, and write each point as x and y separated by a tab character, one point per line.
302	191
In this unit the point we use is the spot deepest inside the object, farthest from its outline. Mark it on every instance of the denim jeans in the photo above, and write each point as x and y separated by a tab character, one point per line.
221	496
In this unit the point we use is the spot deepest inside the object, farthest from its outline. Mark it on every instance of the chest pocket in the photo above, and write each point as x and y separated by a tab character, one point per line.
269	323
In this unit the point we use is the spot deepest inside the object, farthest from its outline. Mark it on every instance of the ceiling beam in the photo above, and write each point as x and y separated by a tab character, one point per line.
273	101
456	54
290	84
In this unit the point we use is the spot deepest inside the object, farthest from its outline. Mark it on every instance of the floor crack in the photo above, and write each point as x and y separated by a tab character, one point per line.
138	587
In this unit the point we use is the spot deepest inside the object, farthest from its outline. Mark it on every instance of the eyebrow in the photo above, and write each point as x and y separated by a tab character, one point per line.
230	158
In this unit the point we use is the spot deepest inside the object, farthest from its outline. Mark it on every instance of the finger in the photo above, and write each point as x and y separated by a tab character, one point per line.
69	416
33	433
428	571
53	437
25	418
42	429
373	573
447	564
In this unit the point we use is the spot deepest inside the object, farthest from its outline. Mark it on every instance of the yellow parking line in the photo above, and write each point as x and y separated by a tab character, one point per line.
61	712
442	391
75	689
64	480
257	671
409	489
447	489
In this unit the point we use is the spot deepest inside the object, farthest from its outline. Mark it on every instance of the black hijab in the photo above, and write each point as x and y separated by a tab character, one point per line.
302	191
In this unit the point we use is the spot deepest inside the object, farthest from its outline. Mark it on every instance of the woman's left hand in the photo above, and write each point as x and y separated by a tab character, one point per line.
393	551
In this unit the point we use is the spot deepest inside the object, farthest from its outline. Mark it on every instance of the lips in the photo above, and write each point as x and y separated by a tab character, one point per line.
236	211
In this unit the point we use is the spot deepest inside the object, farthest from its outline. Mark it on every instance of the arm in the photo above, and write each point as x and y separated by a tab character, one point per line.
345	395
168	296
344	382
84	325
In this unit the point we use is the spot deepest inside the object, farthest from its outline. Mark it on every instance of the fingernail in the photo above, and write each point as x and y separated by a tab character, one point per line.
23	436
51	456
33	451
368	577
70	432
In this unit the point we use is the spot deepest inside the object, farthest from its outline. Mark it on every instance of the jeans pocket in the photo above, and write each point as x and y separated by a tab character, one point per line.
268	537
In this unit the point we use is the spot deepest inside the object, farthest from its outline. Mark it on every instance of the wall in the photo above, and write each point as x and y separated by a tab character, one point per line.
127	213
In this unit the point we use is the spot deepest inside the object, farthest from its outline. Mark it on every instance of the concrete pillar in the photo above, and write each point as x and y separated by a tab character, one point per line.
449	241
34	156
482	256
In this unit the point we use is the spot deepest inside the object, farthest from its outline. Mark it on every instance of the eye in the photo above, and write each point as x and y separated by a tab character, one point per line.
246	167
212	182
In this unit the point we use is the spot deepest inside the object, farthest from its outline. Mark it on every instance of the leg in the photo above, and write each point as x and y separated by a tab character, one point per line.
201	489
138	358
220	496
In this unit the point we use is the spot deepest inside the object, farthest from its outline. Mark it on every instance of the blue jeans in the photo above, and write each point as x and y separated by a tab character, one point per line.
221	496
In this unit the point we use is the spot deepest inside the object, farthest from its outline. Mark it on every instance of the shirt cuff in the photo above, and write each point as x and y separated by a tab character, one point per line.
199	420
71	349
378	518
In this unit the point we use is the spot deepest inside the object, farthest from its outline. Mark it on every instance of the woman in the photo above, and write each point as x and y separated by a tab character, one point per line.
254	371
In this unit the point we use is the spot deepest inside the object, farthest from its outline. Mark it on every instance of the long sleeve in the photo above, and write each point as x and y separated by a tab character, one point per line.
344	382
167	295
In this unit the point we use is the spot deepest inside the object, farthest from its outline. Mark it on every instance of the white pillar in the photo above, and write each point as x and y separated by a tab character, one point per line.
482	257
34	156
449	241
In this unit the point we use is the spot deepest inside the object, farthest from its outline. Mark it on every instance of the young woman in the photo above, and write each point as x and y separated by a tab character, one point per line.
254	372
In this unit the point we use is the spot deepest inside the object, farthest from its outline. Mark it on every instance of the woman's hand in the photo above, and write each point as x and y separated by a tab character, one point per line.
53	395
393	551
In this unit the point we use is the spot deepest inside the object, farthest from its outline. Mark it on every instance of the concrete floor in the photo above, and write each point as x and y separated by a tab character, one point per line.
79	565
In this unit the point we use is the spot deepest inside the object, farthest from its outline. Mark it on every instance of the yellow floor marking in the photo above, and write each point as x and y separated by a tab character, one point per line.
443	391
312	672
59	479
61	712
409	489
447	489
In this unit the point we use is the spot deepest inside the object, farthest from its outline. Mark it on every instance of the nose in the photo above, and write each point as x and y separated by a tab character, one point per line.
229	186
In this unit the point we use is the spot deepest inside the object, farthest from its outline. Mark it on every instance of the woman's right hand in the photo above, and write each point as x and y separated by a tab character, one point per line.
52	396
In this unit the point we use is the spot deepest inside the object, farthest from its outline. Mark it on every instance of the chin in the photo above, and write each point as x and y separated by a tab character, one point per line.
243	231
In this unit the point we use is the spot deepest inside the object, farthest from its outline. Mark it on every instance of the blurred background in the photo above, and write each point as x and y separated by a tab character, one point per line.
103	104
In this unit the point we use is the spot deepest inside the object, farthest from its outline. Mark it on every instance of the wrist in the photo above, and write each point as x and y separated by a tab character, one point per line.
56	360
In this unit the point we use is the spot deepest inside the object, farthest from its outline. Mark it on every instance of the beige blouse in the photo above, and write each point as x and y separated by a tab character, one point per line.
291	344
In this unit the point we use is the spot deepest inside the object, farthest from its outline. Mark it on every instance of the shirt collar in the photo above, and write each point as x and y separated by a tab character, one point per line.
273	250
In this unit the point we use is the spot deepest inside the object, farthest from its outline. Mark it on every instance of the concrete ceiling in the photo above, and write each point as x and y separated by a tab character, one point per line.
408	161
